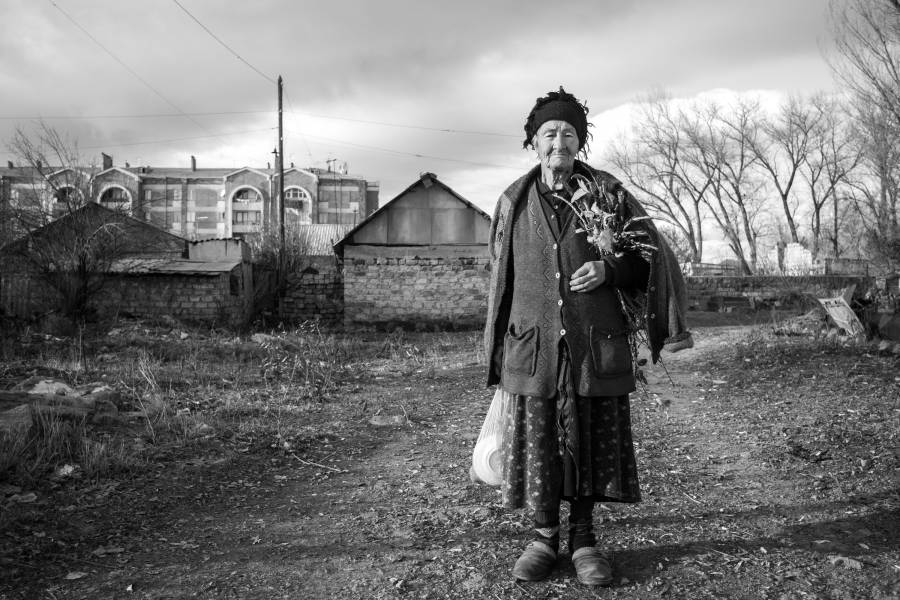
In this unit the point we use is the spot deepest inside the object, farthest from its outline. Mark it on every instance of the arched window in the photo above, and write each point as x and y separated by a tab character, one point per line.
247	195
297	198
115	197
246	213
297	205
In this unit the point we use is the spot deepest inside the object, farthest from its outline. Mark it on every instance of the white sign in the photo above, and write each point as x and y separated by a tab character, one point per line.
843	315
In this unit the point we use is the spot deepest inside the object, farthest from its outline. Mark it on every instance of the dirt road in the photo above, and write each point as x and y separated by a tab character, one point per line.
736	502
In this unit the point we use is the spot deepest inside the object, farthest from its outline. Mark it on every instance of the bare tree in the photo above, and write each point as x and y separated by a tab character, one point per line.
780	144
876	185
721	151
265	246
867	34
655	164
868	63
58	181
66	241
830	160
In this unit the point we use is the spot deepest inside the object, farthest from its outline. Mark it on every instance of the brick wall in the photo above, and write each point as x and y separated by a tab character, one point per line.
188	297
416	286
23	295
315	294
205	298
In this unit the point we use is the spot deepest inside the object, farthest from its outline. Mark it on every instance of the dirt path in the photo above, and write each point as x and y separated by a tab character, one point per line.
366	511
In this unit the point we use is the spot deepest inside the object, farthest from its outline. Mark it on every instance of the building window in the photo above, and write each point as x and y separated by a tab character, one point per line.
247	195
297	199
66	195
246	217
114	196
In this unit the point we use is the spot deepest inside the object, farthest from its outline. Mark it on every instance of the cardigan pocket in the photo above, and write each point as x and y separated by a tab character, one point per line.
610	352
520	351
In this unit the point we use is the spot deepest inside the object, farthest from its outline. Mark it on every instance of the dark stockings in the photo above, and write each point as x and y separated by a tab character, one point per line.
581	525
546	527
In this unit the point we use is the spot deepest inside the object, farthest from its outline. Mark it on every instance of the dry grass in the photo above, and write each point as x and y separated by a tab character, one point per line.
183	386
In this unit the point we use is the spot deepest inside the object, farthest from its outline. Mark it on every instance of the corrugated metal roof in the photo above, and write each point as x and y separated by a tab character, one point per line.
165	266
320	238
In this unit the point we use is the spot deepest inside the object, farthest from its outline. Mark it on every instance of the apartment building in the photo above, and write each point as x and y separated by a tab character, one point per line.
192	202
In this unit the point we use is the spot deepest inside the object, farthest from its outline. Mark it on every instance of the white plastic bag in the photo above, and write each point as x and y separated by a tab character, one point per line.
486	467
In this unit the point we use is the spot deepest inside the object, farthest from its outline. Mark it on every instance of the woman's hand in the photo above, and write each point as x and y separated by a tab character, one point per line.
590	275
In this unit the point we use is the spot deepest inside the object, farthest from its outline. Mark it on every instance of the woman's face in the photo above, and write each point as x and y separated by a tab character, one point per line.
556	143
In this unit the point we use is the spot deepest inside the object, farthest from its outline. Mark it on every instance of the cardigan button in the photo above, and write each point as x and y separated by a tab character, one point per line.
557	275
559	302
562	332
652	315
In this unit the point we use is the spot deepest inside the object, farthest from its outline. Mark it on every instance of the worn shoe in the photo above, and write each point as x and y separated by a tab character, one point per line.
536	563
592	567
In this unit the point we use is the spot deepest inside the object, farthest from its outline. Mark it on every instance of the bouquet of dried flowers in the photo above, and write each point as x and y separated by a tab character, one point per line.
604	217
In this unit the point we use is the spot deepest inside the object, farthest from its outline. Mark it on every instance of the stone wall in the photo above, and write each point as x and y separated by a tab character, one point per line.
715	293
314	294
198	298
416	286
21	294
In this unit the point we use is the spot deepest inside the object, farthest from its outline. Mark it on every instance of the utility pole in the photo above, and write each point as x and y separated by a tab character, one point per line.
282	262
281	162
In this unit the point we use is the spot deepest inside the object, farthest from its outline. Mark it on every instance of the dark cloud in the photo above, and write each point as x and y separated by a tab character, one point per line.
474	66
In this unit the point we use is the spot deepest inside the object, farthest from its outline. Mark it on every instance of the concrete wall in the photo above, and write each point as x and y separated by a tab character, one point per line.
415	286
223	249
712	293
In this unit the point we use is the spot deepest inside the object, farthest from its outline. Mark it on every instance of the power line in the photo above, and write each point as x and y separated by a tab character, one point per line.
132	116
413	154
224	45
182	139
302	137
426	128
124	65
253	112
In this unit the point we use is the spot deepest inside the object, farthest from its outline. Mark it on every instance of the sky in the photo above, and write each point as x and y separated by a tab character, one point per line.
392	88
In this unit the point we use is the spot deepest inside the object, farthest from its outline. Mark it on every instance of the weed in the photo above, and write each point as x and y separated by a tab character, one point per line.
28	454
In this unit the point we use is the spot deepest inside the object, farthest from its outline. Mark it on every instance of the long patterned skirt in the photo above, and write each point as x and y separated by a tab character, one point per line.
565	447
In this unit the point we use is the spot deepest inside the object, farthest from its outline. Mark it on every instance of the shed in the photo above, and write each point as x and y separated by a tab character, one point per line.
421	260
144	271
210	291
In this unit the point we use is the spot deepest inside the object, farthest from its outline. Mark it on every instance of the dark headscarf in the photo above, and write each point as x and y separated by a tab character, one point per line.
558	106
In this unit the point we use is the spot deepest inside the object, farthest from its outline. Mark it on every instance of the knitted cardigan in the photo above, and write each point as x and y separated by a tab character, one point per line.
666	296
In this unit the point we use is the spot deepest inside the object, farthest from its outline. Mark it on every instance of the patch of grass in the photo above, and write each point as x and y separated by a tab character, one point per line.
30	454
191	384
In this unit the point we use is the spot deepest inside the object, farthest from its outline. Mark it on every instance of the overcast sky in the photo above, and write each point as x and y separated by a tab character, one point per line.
376	83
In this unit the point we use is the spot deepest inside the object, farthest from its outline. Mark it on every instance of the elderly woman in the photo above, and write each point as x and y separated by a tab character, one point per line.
557	340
